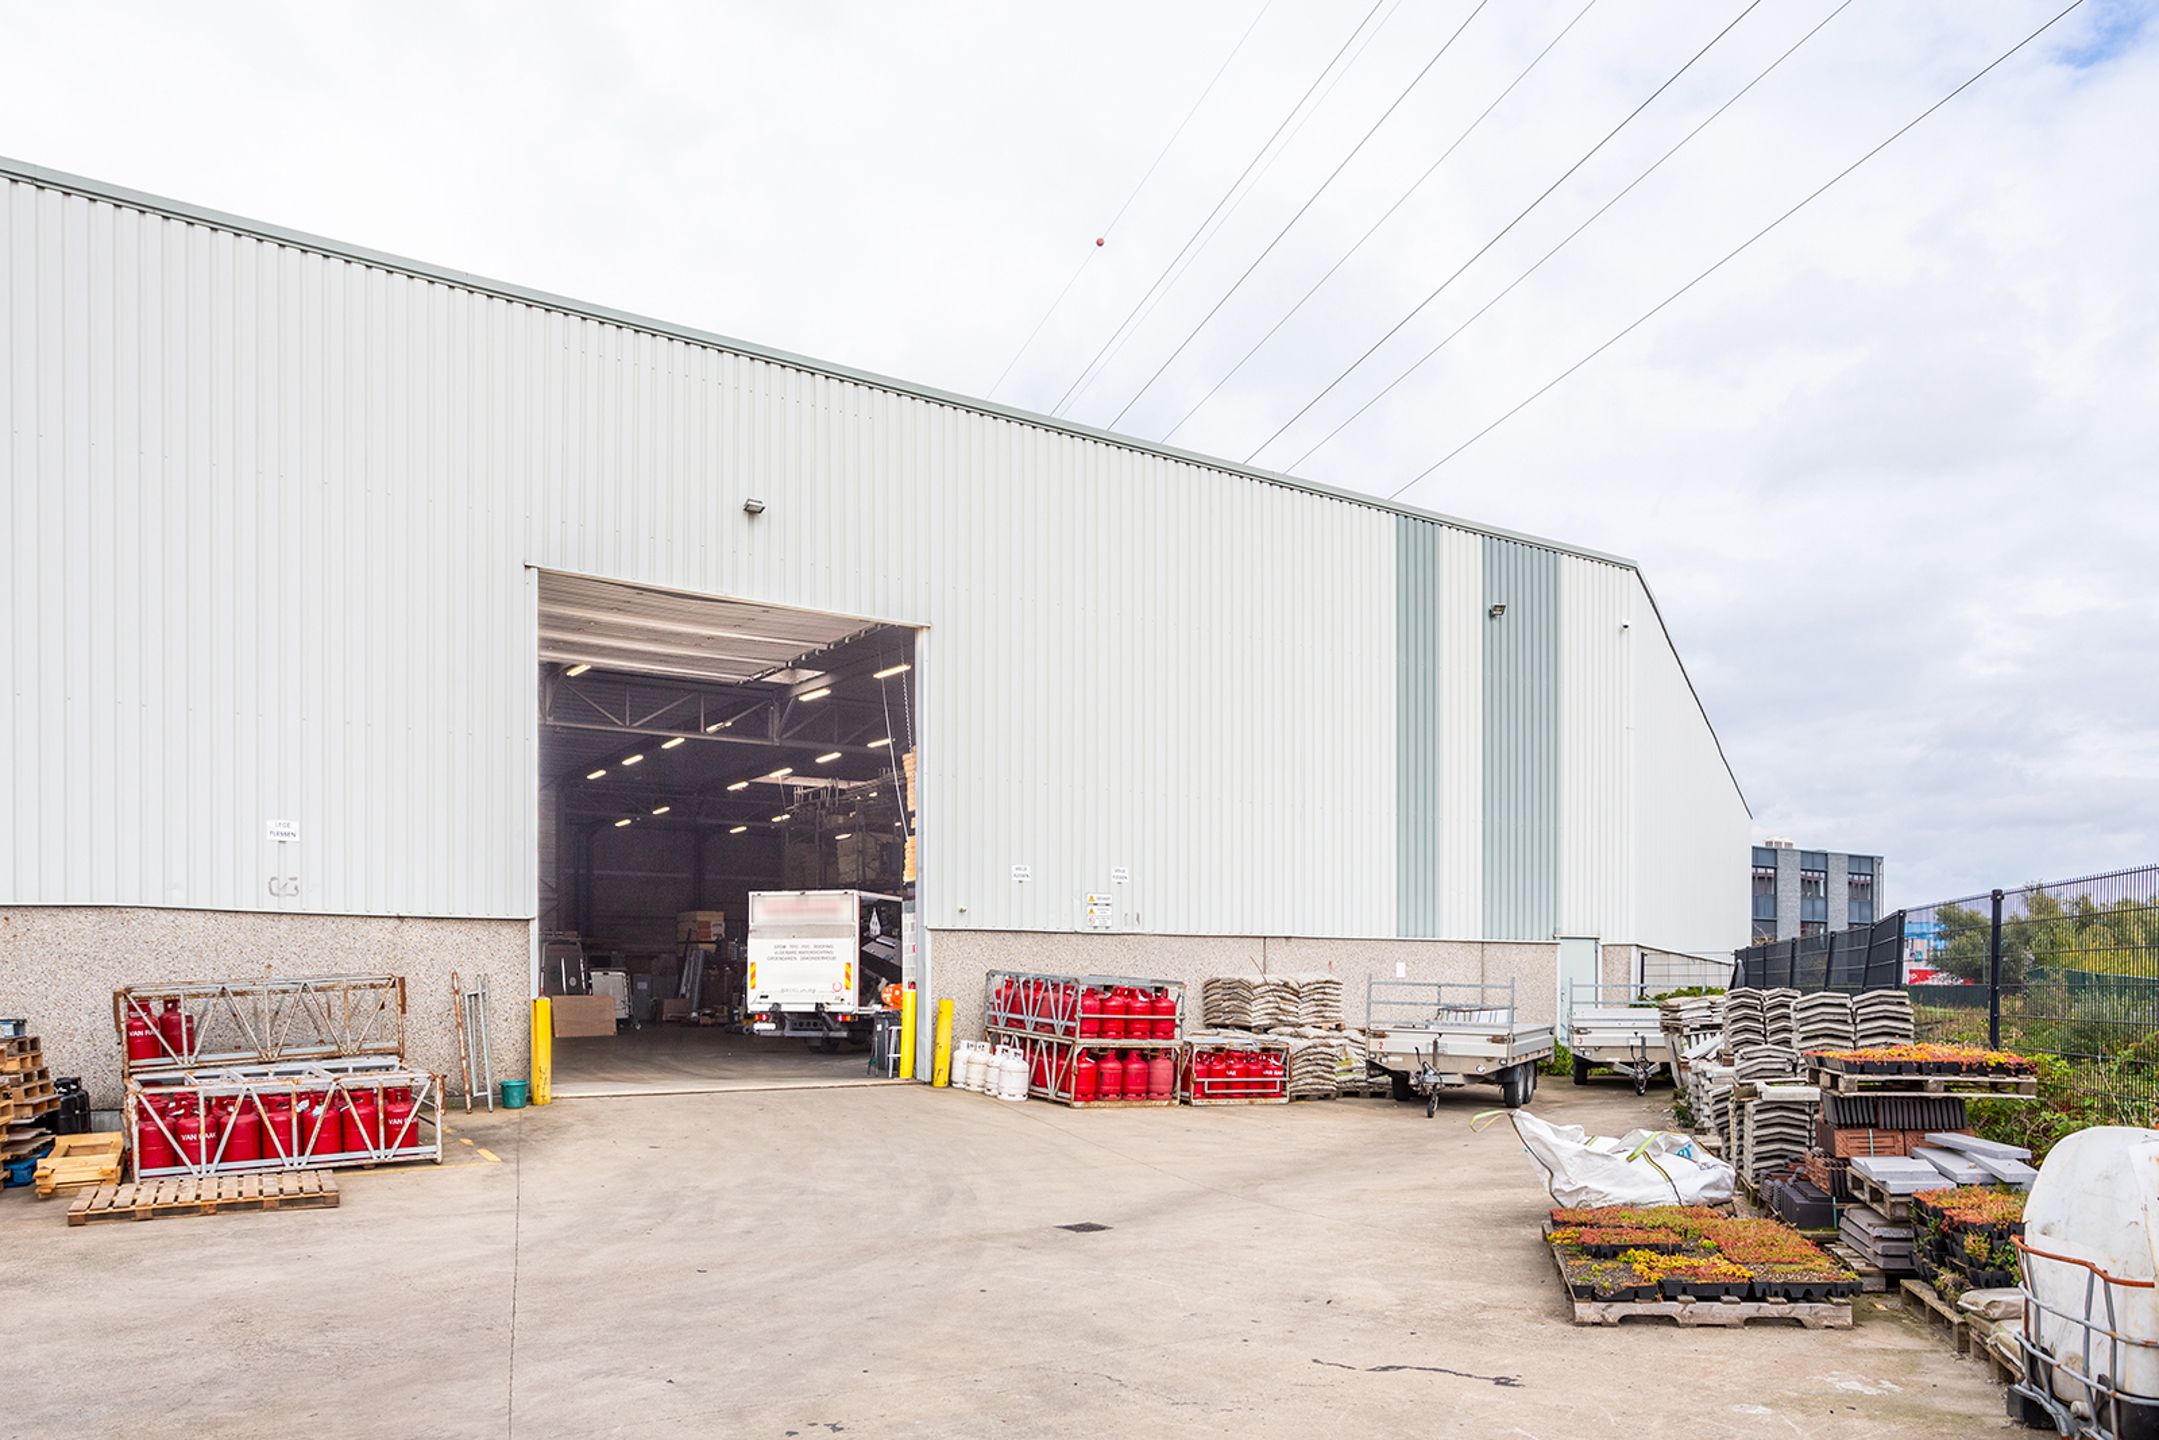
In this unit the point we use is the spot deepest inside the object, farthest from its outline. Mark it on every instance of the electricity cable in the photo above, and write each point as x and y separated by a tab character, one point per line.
1449	337
1278	129
1739	249
1104	233
1383	219
1427	300
1223	221
1310	201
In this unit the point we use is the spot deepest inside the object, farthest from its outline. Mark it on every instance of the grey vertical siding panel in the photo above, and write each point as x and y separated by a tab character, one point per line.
1521	741
1420	794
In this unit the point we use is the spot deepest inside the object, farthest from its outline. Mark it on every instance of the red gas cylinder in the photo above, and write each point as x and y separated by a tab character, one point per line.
153	1151
1161	1075
400	1120
1165	1015
1114	1009
1271	1072
1041	1068
242	1126
278	1141
362	1120
1007	989
1135	1075
1086	1076
176	1029
190	1129
141	1036
1068	1009
1109	1079
1233	1075
1090	1013
322	1129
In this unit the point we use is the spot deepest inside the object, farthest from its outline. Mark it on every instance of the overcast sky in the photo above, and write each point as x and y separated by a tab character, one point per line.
1891	472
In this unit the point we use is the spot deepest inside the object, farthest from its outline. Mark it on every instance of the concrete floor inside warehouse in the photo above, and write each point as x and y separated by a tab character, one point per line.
892	1261
695	1059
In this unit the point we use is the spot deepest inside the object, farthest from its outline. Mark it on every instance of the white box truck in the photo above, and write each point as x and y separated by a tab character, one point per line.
817	960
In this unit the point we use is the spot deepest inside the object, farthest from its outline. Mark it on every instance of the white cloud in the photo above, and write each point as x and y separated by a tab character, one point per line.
1891	472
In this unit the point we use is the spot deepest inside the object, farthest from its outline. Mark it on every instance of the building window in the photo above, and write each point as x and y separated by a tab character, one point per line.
1765	930
1765	892
1808	929
1860	884
1813	888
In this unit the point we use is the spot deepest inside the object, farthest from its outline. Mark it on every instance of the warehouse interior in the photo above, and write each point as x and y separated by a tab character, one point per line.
693	751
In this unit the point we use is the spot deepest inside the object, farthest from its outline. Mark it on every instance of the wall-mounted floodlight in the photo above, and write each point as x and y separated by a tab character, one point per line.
753	507
1497	610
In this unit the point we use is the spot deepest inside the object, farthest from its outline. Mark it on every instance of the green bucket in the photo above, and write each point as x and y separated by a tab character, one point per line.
513	1094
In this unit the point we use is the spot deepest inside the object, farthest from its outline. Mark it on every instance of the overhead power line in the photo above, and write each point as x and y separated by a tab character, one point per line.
1278	129
1103	235
1448	338
1223	221
1373	229
1739	249
1438	289
1310	201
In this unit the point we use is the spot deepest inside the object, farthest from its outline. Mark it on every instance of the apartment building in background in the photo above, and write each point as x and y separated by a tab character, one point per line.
1811	892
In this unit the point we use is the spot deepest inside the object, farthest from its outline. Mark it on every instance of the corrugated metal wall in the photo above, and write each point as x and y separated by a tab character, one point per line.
1596	881
1521	741
272	517
1439	730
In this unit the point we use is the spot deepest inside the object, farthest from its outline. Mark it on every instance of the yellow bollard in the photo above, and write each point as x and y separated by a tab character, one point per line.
941	1059
543	1052
907	1033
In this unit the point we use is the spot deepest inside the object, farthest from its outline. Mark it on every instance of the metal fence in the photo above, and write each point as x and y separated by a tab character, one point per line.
2068	969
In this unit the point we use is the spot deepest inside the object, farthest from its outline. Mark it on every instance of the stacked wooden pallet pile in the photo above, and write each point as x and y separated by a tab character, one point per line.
27	1097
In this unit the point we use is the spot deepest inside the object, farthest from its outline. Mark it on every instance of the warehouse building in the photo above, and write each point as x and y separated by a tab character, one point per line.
365	615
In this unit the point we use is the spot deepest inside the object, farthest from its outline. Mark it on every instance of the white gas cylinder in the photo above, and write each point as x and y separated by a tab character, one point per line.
1011	1074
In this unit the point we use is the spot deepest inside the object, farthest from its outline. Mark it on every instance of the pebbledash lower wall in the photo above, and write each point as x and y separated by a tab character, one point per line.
962	958
59	966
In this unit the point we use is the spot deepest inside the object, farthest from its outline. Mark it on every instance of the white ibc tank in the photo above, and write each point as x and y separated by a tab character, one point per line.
2097	1200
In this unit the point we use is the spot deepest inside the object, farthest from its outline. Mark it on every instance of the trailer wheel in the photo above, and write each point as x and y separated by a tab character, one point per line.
1431	1103
1513	1088
1641	1079
1399	1084
1581	1071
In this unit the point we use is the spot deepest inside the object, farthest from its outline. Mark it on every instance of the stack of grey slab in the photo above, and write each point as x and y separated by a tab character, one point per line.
1883	1243
1823	1021
1226	1001
1691	1014
1998	1163
1882	1017
1744	1024
1709	1086
1779	1127
1778	1025
1898	1176
1767	1063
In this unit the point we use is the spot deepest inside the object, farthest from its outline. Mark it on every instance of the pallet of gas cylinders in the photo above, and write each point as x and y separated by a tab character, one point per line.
1089	1040
238	1077
1235	1068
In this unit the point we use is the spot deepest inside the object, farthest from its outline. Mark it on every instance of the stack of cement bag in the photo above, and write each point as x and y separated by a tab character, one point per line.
1882	1017
1274	1001
1319	999
1226	1001
1322	1060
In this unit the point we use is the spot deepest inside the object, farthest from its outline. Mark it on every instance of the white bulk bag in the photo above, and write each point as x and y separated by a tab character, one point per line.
1641	1167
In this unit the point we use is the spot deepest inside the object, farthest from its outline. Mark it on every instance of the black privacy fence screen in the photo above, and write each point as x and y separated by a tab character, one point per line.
2067	969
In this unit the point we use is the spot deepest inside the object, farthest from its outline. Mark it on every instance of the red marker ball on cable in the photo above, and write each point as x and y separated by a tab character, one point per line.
1098	241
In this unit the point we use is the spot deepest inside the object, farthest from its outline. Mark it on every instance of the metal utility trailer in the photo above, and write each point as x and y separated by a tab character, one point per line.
1604	1029
1429	1036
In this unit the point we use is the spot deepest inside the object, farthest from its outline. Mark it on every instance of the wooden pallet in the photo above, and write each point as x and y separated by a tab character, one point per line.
79	1162
1971	1087
1895	1208
1728	1314
189	1195
1924	1299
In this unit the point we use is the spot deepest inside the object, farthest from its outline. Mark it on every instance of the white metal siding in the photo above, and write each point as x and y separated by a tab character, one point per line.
1689	821
1595	838
271	513
272	520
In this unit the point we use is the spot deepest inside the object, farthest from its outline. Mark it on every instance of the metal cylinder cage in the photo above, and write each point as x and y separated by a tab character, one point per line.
253	1022
303	1109
2088	1368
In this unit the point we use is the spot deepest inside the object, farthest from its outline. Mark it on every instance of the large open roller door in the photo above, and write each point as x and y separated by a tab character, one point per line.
694	751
